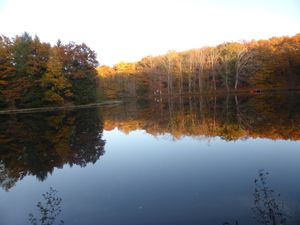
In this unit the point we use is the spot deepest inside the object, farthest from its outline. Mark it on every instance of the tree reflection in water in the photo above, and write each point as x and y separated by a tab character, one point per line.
35	144
268	209
226	223
272	116
49	209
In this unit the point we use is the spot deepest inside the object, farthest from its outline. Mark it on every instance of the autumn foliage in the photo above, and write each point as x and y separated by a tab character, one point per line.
33	73
228	67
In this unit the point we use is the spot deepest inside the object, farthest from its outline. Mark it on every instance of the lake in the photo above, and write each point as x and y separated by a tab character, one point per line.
210	160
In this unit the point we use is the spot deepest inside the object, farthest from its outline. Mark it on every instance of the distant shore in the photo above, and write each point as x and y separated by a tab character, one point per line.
248	91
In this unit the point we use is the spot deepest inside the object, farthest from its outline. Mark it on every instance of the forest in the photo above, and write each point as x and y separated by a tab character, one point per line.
34	74
229	67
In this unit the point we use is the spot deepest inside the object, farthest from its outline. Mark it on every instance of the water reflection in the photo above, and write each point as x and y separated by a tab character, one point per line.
229	117
35	144
268	209
49	209
226	223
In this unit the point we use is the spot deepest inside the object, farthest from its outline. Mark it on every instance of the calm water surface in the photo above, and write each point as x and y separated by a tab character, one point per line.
198	160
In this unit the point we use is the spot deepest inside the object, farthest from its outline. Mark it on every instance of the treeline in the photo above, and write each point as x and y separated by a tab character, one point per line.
33	73
232	66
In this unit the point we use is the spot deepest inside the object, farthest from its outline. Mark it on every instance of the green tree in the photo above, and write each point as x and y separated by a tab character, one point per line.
80	69
36	66
29	59
7	71
21	52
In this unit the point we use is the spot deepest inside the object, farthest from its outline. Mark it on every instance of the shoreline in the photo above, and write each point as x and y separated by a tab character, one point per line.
56	108
116	102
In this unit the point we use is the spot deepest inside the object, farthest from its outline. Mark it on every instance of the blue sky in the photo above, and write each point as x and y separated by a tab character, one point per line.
128	30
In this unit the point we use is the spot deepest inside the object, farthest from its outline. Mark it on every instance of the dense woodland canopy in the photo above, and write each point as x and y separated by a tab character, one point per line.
232	66
33	73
